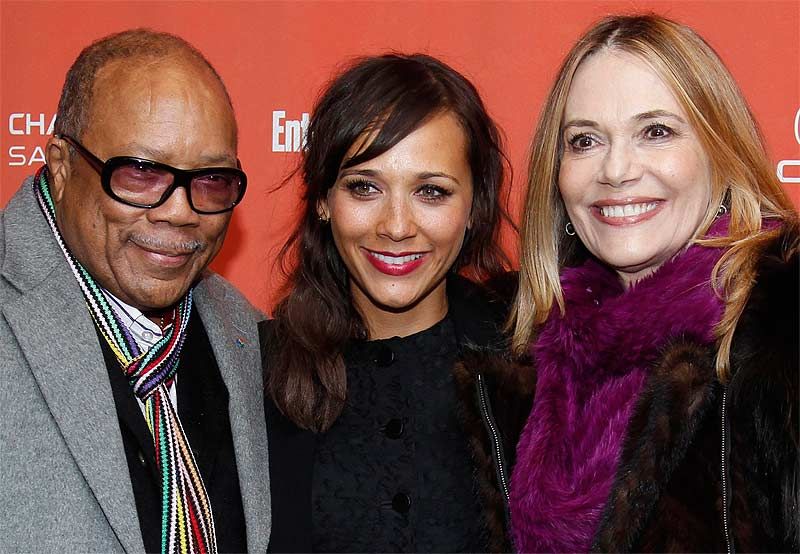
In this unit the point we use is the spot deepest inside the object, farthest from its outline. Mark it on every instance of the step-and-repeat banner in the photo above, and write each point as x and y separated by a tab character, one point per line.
276	56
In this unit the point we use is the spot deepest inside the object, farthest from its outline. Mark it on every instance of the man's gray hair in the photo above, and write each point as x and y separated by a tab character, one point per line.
76	96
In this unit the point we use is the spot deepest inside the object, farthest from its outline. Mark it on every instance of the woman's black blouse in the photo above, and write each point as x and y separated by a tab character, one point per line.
394	474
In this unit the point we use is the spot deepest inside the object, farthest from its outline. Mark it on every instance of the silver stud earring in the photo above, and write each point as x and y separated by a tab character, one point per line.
722	210
569	229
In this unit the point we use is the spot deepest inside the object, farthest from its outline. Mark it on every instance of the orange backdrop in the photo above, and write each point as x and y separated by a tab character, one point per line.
276	56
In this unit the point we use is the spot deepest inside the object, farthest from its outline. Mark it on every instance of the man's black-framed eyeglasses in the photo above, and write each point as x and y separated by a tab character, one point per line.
147	184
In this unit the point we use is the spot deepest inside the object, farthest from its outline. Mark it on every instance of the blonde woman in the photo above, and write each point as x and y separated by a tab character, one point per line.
658	300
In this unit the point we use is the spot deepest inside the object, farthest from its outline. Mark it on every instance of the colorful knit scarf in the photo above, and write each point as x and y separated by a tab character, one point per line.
187	523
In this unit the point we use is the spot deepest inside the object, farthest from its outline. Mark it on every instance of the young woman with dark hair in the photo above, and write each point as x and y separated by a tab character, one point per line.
402	173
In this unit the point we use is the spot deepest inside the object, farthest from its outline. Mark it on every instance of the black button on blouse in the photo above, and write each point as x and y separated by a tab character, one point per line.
394	428
383	355
401	502
394	473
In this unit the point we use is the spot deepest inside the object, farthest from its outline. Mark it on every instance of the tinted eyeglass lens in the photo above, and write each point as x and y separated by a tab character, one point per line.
215	190
140	183
144	184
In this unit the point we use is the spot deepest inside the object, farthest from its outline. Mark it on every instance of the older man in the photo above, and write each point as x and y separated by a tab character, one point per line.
131	412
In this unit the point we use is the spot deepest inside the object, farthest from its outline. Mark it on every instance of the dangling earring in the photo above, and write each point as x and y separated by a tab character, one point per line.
569	229
723	209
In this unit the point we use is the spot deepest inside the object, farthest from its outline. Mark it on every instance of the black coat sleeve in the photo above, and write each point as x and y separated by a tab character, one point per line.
765	390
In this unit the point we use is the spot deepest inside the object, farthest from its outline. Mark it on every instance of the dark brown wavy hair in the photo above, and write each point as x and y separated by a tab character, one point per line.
394	95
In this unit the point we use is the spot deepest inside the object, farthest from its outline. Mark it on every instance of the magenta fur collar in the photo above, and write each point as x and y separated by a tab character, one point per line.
591	365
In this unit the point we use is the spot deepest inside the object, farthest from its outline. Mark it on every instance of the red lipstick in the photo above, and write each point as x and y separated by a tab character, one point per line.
395	263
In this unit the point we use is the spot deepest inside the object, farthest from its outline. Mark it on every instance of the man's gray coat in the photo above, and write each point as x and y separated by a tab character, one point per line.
64	482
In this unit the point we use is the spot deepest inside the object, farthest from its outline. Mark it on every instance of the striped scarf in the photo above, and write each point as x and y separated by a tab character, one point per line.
187	523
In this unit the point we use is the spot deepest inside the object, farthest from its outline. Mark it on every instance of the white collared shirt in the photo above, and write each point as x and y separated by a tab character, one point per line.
144	332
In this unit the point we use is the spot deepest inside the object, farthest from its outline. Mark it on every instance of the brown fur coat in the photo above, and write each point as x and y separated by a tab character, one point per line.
676	488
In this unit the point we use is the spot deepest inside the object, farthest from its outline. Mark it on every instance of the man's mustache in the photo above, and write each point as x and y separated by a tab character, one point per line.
159	244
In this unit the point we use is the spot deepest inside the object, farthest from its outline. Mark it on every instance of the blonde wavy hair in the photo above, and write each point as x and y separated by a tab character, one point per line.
742	176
